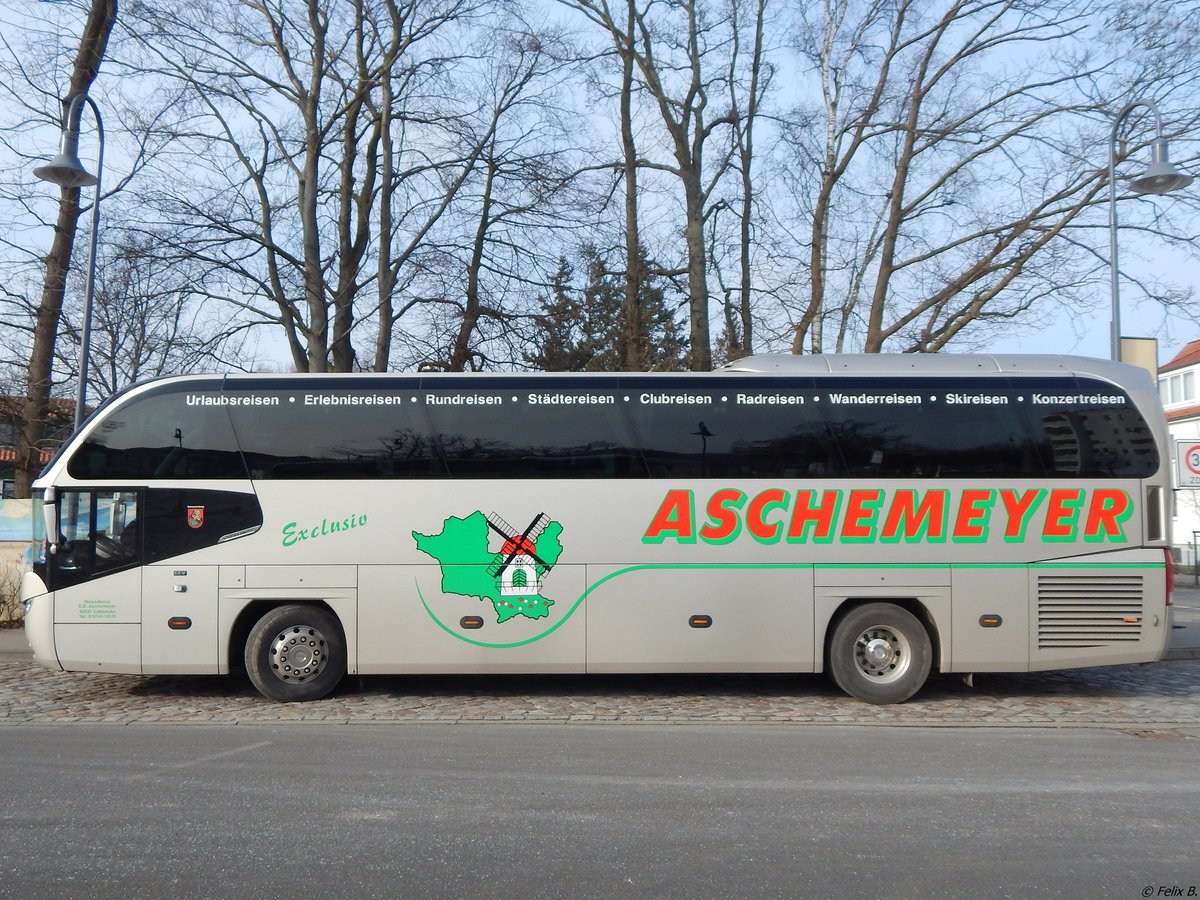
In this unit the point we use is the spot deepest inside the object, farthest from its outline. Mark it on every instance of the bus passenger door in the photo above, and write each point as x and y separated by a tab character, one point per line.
179	619
95	578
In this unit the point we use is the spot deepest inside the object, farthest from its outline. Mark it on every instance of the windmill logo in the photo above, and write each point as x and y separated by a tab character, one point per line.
483	557
517	568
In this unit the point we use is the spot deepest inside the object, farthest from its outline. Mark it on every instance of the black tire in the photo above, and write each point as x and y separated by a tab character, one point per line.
296	653
880	653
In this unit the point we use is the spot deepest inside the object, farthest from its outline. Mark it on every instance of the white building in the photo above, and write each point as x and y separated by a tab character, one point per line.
1179	387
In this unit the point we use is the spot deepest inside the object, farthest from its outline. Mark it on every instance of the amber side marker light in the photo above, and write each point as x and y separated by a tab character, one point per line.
471	623
990	620
700	621
179	623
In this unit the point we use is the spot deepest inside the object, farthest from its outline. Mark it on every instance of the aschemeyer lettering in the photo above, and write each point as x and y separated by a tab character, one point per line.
873	515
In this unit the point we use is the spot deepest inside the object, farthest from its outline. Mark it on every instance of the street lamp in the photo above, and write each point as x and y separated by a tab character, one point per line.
67	171
1161	177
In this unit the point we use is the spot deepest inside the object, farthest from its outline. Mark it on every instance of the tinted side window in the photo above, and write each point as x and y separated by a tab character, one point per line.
927	428
744	428
107	531
532	429
179	521
162	435
1090	428
631	427
346	431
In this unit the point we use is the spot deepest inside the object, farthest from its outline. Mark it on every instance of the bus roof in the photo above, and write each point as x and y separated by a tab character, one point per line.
773	364
929	363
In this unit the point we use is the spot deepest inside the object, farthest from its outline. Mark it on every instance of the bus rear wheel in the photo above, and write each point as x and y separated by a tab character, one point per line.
296	653
880	653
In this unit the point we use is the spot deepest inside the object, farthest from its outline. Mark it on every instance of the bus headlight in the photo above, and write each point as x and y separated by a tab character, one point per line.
27	603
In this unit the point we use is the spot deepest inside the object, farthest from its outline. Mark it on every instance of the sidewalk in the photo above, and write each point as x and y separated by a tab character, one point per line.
13	647
1185	639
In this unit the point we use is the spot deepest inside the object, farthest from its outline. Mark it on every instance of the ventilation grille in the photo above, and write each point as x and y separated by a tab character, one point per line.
1081	611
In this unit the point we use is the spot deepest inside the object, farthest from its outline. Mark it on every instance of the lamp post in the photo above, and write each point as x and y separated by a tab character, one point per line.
1160	177
67	171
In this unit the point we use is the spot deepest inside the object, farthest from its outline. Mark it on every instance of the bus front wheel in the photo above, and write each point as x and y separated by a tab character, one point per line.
880	653
296	653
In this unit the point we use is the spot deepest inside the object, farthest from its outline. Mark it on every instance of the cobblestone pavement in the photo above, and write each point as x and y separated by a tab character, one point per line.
1160	700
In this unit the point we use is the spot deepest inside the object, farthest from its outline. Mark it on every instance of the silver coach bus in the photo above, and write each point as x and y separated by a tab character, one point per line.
874	517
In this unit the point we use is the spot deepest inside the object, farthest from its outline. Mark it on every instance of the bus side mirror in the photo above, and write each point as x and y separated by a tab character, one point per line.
50	519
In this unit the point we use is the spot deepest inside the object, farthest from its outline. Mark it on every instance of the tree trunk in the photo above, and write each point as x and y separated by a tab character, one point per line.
92	44
635	337
460	355
701	357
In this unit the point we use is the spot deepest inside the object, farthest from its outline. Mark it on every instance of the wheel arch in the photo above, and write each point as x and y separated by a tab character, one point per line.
254	610
911	604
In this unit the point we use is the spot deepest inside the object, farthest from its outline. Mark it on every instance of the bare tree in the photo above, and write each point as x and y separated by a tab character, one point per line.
391	183
746	99
680	49
332	132
947	179
497	252
93	41
636	342
148	320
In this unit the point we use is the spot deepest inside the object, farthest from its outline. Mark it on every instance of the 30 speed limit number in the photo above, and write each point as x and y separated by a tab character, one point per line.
1187	463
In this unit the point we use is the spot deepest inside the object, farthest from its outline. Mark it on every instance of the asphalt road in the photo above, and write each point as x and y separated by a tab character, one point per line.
530	811
418	787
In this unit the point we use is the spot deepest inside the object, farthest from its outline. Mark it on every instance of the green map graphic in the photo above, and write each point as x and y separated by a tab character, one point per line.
461	549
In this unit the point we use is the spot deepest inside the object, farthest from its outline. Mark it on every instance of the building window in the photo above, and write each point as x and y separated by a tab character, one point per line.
1179	388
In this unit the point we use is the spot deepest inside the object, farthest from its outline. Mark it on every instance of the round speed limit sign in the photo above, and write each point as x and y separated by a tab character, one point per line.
1187	455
